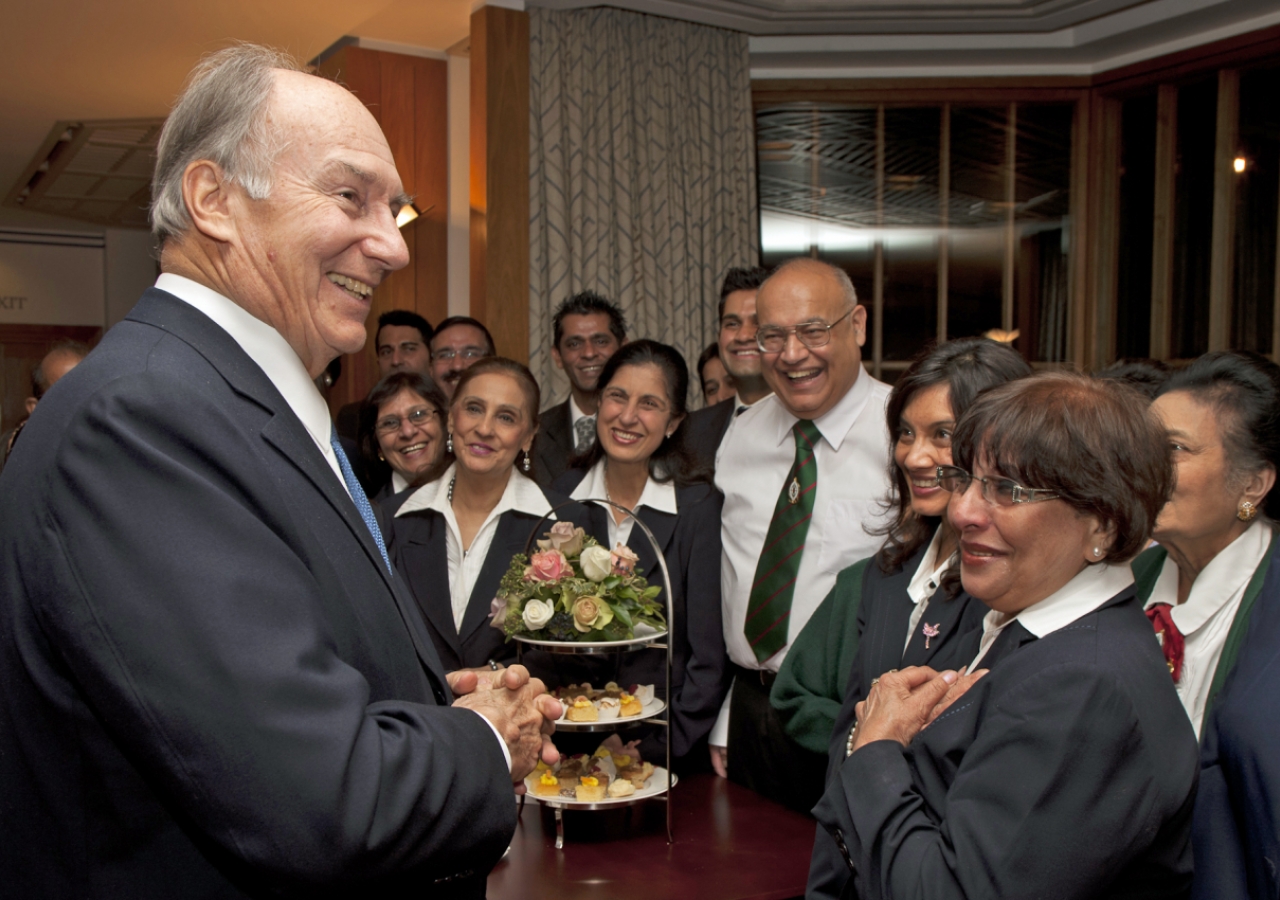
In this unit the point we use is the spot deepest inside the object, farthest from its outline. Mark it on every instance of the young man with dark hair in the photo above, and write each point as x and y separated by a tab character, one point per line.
403	342
587	329
741	359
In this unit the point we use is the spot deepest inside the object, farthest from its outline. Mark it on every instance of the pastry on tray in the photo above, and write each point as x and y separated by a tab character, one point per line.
637	774
621	788
547	785
630	706
590	789
607	708
582	710
621	760
642	692
612	690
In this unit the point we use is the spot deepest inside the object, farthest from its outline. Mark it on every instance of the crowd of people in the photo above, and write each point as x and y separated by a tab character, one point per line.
1005	633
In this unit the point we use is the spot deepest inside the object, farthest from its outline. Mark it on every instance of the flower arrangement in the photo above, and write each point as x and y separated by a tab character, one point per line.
573	589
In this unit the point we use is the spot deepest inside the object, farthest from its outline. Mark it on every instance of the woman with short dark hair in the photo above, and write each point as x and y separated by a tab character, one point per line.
402	429
1063	765
1214	608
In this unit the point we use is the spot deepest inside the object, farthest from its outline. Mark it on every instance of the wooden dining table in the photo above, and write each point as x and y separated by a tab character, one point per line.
730	844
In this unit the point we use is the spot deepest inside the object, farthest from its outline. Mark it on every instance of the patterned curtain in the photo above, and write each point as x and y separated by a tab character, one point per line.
642	173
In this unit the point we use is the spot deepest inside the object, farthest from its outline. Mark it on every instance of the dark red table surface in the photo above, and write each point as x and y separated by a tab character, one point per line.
730	844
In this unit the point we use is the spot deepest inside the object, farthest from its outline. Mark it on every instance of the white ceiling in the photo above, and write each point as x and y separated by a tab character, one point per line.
89	59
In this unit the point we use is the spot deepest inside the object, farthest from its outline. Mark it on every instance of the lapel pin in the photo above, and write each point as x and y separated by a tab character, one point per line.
930	632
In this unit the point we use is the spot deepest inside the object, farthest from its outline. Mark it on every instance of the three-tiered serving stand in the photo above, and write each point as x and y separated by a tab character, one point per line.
642	641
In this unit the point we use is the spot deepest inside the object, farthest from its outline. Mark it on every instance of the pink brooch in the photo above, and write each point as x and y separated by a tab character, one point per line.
930	631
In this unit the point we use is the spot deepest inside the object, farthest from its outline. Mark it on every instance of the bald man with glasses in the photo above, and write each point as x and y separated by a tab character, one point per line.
800	497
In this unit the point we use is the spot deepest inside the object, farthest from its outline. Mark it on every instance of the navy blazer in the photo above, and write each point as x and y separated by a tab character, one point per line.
417	545
706	428
553	445
211	685
1068	771
883	614
690	542
1236	830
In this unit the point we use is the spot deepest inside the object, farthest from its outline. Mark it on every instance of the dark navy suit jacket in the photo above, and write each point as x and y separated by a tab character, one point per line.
553	446
210	683
1068	771
1236	831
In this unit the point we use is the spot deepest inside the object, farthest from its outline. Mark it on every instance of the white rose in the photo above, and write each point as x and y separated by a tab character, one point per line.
537	613
596	563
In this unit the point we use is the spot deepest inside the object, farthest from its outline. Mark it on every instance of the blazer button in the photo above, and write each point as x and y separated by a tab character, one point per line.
844	851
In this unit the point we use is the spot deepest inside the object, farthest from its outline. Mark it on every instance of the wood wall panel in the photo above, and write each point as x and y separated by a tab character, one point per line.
408	96
500	176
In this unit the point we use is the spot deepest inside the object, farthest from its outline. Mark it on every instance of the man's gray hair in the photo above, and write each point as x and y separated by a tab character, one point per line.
220	116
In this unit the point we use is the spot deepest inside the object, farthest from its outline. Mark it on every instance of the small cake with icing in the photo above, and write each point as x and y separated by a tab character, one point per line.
637	774
613	690
582	710
607	708
621	788
590	789
642	692
547	785
630	706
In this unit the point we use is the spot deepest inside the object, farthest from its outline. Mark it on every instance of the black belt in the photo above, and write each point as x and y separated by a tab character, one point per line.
763	677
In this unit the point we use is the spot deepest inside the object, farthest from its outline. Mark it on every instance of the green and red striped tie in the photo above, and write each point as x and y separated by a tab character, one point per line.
769	606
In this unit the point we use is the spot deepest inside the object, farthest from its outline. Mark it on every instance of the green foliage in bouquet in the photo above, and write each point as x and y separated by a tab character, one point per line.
573	589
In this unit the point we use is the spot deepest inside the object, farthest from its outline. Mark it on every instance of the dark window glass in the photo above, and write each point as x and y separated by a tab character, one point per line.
1193	217
912	161
1137	211
1257	189
977	213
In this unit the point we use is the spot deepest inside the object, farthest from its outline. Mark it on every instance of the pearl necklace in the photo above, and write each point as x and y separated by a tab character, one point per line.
452	482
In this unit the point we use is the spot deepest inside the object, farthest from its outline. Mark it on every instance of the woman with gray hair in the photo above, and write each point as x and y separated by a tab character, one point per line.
1063	765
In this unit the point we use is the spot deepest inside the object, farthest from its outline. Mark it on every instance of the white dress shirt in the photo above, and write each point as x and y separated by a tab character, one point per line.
1089	589
398	482
521	495
655	495
1205	618
853	458
752	463
266	347
284	369
924	584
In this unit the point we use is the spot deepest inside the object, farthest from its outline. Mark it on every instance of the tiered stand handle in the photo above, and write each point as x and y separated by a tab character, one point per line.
568	647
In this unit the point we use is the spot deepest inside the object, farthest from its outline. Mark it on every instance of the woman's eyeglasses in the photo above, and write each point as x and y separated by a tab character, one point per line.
1000	491
417	418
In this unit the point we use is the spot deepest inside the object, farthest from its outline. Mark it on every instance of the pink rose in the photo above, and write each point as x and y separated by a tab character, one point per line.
565	537
549	565
623	560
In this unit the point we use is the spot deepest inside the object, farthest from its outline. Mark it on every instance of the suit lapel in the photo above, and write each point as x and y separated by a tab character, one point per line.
1013	637
944	619
892	627
663	526
287	434
425	562
508	540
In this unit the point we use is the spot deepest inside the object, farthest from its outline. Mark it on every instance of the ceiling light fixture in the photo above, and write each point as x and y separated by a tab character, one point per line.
1239	164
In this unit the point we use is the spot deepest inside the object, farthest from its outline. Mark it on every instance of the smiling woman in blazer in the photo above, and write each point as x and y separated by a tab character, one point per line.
453	538
1063	766
640	462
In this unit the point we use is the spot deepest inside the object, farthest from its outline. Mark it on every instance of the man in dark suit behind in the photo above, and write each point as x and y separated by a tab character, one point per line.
587	330
211	683
741	357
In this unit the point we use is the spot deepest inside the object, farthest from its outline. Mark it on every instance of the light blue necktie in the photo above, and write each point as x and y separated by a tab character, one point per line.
357	494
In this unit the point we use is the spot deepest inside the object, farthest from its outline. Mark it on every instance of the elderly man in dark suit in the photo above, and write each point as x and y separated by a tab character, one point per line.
212	684
587	330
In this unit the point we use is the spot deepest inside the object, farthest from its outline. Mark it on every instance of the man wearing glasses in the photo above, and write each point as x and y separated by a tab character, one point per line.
459	341
801	495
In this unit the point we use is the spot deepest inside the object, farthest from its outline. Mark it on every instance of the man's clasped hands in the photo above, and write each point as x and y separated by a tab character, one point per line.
519	707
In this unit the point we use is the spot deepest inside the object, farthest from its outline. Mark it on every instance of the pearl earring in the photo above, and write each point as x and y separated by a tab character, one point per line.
526	464
448	443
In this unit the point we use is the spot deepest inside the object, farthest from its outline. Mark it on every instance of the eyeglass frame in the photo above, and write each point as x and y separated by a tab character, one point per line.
1018	494
762	332
448	353
425	411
